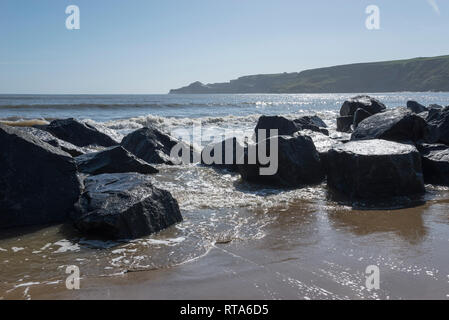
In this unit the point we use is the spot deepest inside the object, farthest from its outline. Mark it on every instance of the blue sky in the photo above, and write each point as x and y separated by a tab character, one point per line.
151	46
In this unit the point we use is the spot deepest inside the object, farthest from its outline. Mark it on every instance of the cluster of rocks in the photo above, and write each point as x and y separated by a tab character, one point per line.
73	171
289	127
70	170
298	160
355	110
426	128
391	153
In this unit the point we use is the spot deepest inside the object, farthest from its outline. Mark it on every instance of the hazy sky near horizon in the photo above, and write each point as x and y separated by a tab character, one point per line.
151	46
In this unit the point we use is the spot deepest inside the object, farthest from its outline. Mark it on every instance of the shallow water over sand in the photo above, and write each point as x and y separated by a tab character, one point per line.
291	244
237	240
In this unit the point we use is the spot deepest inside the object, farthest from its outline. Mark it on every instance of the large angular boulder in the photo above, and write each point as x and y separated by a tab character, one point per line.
112	160
398	124
359	116
295	163
79	133
438	120
124	206
154	146
288	127
47	137
38	182
371	105
223	155
283	125
435	163
416	107
375	169
433	114
313	123
344	124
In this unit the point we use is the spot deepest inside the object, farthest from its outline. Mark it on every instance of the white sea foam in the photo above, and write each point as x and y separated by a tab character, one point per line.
66	245
28	284
168	242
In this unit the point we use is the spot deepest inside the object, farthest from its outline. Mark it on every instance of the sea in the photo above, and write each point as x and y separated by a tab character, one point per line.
237	240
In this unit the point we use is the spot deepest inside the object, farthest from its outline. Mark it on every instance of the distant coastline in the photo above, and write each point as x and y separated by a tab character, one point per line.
411	75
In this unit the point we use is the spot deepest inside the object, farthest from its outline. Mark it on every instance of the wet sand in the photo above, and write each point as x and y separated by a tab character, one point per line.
310	250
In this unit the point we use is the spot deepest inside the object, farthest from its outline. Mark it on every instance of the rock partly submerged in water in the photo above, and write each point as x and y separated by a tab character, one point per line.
438	120
359	116
313	123
416	107
112	160
287	127
370	105
344	124
296	164
38	182
356	109
223	155
398	124
375	170
79	133
435	163
155	147
124	206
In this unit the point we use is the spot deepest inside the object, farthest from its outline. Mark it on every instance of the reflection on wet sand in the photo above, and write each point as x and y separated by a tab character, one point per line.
295	225
406	223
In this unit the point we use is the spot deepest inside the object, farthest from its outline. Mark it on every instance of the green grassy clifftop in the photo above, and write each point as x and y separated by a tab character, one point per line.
419	74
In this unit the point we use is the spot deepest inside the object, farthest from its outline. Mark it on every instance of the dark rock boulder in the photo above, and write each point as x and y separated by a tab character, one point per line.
398	124
124	206
38	182
154	146
359	116
313	123
297	162
283	125
415	107
323	144
344	123
102	128
371	105
47	137
438	120
315	120
435	163
423	115
79	133
355	110
288	127
432	111
112	160
435	106
433	114
375	169
228	151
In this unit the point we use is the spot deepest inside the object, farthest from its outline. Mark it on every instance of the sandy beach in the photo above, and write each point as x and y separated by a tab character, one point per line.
310	250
